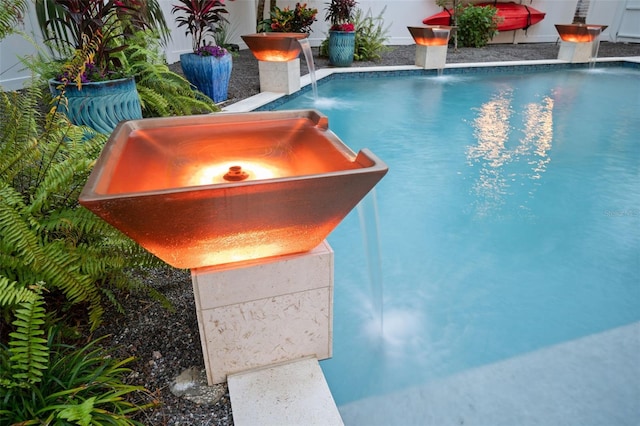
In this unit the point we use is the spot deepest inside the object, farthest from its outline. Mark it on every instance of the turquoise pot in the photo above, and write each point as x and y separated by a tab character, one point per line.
100	105
341	47
208	73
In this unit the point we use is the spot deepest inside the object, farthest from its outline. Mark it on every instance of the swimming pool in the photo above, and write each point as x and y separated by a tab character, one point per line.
509	225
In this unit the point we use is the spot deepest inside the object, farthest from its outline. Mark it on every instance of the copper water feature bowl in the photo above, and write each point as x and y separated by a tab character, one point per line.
579	33
289	182
275	47
431	35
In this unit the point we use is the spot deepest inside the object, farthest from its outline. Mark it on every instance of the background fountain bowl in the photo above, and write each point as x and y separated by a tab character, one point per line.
274	47
431	35
161	182
579	33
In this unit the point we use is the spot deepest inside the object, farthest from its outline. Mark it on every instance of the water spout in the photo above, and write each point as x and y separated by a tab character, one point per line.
368	214
308	55
595	32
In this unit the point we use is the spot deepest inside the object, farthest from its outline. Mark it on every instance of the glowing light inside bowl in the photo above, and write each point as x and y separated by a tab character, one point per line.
434	35
579	33
213	174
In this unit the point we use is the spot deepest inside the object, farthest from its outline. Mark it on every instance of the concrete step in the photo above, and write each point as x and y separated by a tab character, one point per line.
293	393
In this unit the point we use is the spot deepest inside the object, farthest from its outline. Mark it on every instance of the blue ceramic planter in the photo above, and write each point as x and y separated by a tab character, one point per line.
208	73
100	105
341	48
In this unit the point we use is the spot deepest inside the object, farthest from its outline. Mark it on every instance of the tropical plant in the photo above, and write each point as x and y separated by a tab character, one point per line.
162	92
11	14
202	19
371	35
224	36
298	20
97	29
47	237
340	14
80	386
476	25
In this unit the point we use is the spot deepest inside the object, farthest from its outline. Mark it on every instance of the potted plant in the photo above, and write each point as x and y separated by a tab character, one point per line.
342	32
298	20
94	80
208	67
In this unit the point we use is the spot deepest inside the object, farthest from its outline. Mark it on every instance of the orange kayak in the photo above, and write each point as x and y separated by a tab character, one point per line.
513	16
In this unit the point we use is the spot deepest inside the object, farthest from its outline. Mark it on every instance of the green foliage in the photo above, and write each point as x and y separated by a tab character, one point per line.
225	34
29	353
77	386
340	12
476	25
46	236
371	35
11	14
298	20
162	92
201	19
62	22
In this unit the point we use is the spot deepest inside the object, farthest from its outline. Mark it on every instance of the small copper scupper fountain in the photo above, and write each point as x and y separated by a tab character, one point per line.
274	47
579	33
580	42
431	45
214	189
432	35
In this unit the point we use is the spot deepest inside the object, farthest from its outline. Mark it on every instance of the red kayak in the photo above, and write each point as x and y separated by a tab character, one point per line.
514	16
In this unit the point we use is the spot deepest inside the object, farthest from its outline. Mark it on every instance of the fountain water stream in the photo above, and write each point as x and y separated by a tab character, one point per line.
368	215
308	55
595	31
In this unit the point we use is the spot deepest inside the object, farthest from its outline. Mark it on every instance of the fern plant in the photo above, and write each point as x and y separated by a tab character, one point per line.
11	14
46	235
162	92
370	39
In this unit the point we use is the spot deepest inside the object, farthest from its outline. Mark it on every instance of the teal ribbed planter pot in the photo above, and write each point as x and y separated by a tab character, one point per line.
208	73
341	47
100	105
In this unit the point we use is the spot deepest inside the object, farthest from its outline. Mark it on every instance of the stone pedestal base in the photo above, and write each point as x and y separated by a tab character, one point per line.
280	77
431	57
265	312
576	52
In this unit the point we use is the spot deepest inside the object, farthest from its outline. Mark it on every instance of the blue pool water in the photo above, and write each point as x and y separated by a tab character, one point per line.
509	220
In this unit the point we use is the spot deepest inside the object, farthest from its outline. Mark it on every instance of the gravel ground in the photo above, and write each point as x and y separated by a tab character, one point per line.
166	343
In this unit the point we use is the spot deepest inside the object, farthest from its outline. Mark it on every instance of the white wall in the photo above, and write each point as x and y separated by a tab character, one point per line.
13	74
620	15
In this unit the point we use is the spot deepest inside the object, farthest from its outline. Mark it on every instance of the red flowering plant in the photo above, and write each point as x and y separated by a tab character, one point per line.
298	20
94	34
340	14
202	19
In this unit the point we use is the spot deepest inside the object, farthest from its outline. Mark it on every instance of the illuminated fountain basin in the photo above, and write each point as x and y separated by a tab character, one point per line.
580	42
579	33
161	181
431	35
274	47
278	62
431	45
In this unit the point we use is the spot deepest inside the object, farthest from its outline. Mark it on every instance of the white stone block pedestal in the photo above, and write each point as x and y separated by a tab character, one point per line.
259	313
279	77
431	57
573	52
